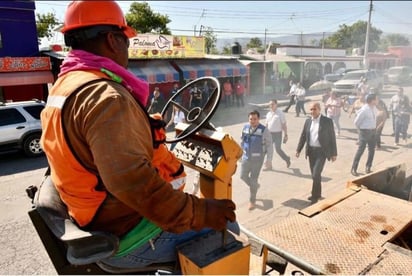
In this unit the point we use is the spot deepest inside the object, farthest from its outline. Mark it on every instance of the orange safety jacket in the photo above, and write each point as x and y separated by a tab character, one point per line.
76	185
79	189
166	163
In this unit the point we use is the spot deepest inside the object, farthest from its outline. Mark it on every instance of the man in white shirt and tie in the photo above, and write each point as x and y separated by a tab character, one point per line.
319	136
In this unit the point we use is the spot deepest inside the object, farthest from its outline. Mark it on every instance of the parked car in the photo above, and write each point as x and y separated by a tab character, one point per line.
337	75
20	127
349	82
398	75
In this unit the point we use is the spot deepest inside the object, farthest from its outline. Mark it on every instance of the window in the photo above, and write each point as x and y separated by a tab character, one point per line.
34	110
10	117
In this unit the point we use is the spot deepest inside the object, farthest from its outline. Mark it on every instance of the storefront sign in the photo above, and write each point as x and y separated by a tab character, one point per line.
24	64
150	46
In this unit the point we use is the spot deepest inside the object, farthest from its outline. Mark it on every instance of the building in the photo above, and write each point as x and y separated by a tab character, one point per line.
305	64
163	60
23	73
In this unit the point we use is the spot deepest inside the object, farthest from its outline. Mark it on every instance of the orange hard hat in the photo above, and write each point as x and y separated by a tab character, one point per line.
80	14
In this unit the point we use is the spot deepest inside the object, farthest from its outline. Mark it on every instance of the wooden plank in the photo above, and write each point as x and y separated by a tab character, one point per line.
328	202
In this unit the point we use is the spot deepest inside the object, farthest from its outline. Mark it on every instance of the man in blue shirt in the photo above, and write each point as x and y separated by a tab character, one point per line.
365	121
256	142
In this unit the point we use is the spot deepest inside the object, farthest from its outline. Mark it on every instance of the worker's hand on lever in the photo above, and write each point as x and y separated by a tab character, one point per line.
218	212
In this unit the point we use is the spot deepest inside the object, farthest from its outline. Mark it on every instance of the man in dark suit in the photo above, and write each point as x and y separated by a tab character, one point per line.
319	136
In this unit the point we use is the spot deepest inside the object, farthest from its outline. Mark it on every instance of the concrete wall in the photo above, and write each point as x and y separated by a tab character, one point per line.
302	51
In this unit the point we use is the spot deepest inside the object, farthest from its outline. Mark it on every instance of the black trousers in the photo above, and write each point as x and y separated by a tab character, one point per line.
317	159
291	102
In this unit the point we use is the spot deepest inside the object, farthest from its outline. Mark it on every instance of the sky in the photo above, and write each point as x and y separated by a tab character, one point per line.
232	19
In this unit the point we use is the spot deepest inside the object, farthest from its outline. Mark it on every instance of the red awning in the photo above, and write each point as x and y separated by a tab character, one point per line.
25	78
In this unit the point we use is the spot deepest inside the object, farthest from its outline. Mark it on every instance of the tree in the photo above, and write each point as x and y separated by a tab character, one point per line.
255	43
144	20
210	40
45	24
354	36
227	50
393	40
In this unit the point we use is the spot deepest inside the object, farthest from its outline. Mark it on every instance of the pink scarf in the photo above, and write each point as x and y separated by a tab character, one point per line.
81	60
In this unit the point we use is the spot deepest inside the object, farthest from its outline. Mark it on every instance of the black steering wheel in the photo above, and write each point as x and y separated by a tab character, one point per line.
197	117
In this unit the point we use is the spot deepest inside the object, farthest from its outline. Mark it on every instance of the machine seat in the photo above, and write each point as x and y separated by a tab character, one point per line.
71	249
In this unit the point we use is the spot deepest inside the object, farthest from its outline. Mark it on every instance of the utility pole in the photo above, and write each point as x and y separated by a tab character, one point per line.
264	64
365	54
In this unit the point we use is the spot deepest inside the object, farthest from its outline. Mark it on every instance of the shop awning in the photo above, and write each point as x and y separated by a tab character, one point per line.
25	78
154	71
193	69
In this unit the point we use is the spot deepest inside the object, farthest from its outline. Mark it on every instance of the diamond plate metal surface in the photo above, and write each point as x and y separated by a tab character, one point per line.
345	238
392	263
369	216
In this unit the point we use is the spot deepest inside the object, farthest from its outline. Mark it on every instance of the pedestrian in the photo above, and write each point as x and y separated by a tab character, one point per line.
177	116
157	102
334	106
393	105
196	97
365	122
240	92
276	123
381	118
227	93
255	142
173	92
402	119
356	106
291	96
300	99
98	142
325	97
319	136
206	92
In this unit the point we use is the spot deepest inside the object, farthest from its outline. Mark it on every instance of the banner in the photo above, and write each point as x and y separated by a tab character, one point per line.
150	46
19	64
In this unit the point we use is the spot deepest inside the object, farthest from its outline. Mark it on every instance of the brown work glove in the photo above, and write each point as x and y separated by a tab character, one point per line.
218	212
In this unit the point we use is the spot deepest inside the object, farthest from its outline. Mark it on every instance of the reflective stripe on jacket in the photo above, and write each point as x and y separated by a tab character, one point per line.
76	185
252	142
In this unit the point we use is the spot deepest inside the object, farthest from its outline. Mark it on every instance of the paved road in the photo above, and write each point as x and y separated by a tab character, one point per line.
282	192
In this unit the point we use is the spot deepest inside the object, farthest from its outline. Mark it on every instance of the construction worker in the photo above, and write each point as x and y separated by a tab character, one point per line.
98	141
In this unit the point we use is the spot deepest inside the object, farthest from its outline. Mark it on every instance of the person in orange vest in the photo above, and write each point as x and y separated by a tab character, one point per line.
98	141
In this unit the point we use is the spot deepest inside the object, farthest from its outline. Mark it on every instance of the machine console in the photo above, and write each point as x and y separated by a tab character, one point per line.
214	155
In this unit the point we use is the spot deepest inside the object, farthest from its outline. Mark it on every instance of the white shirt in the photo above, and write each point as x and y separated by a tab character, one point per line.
314	132
292	90
395	100
275	120
179	117
366	117
300	93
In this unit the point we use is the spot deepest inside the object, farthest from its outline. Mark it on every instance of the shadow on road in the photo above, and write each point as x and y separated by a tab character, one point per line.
12	163
298	204
264	204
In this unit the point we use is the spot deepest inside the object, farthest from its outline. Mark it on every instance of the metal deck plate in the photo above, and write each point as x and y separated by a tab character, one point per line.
345	238
392	263
369	216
